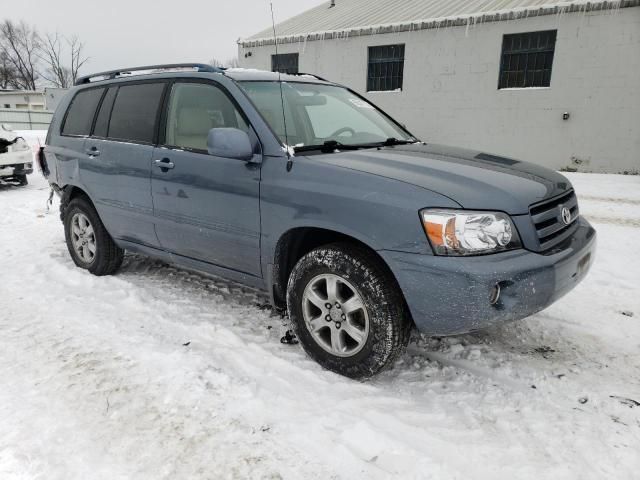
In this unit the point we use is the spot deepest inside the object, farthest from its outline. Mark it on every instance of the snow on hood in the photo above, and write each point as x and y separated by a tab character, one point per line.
6	133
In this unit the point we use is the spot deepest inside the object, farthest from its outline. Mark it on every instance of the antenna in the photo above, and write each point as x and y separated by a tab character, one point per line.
284	116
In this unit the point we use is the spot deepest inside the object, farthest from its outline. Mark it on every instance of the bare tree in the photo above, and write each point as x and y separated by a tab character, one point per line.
77	57
20	44
214	62
232	63
54	49
51	55
7	72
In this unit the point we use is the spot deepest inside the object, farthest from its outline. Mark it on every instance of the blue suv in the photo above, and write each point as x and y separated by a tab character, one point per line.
305	189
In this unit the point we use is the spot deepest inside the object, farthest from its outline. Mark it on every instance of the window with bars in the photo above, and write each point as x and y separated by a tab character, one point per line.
385	68
284	63
527	59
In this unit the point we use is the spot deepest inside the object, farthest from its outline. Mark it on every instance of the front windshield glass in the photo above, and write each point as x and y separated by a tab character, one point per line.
317	114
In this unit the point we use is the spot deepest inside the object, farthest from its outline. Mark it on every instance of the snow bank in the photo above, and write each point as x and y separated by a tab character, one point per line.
160	373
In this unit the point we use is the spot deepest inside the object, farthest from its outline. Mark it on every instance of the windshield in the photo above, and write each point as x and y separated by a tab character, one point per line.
319	114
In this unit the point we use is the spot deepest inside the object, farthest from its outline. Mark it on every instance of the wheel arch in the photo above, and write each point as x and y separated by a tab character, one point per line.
69	192
297	242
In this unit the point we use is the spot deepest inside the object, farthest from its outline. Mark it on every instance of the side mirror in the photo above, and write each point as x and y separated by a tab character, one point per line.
229	143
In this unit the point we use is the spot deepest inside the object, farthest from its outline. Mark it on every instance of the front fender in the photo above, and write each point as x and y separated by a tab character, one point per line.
380	212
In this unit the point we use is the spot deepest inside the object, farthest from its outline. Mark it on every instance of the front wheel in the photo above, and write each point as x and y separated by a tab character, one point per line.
347	310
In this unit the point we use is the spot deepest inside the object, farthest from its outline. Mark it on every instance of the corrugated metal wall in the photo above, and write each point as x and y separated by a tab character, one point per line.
26	119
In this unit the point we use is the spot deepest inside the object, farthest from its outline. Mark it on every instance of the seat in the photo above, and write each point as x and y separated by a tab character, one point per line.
192	128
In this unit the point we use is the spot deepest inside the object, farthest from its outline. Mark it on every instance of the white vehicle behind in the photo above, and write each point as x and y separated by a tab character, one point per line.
16	157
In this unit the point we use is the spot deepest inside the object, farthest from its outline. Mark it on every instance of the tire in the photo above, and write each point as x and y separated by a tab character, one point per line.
106	257
383	325
22	180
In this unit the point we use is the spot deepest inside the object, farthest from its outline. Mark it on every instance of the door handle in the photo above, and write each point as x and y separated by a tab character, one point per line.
92	152
165	163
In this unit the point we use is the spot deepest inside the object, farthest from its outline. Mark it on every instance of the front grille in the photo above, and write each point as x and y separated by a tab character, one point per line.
548	220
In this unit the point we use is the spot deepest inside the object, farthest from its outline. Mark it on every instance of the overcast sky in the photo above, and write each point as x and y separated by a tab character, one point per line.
124	33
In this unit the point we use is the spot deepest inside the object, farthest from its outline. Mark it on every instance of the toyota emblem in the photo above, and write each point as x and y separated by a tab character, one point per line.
566	215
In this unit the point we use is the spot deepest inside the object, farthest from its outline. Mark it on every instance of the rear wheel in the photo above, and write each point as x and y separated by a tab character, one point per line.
90	245
347	310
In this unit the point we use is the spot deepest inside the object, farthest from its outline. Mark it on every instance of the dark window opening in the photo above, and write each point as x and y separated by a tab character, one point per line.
81	112
285	63
135	112
527	59
102	120
385	70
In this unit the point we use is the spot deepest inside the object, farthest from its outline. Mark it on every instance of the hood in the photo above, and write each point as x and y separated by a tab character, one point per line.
473	179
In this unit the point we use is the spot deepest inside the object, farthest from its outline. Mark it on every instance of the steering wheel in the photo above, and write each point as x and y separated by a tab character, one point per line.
342	130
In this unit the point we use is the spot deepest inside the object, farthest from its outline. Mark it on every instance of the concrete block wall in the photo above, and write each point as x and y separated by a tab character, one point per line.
450	93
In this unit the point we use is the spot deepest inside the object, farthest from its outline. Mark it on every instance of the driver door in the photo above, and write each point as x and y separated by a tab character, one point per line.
206	207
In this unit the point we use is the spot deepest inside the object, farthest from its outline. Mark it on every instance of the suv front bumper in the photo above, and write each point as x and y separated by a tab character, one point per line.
451	295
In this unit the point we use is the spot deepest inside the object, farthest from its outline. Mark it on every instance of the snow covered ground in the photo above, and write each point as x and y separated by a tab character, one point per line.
160	373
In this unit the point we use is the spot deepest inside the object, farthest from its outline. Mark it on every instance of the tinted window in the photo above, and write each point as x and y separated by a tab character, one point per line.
81	112
527	59
102	121
196	108
134	112
385	69
285	63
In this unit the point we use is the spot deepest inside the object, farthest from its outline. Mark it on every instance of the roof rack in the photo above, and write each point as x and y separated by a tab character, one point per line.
311	75
111	74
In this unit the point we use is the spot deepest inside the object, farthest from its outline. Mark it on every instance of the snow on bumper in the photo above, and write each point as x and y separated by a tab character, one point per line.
16	163
451	295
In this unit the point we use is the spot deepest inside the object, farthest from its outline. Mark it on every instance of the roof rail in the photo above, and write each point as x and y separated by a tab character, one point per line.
111	74
311	75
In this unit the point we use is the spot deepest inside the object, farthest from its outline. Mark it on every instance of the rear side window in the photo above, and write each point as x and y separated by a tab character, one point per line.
81	112
135	112
102	120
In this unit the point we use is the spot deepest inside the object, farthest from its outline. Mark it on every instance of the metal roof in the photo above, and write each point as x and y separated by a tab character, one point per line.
368	17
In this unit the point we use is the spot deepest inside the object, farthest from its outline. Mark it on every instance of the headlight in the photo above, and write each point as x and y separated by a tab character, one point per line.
462	232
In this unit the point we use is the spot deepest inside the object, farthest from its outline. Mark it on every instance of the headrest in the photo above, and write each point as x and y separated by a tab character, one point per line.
193	121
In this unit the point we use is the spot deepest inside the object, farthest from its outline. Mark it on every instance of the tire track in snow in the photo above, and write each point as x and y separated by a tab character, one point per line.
595	198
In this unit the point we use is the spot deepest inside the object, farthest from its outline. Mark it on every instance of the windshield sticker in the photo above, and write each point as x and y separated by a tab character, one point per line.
360	103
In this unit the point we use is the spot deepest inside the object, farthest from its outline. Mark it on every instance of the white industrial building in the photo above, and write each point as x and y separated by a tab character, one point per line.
46	99
552	82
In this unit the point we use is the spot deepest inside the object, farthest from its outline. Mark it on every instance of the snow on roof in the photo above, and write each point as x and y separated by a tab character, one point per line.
369	17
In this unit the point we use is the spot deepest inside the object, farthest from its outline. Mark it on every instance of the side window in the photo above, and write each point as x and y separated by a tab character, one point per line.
196	108
527	59
385	69
81	112
135	111
102	120
285	63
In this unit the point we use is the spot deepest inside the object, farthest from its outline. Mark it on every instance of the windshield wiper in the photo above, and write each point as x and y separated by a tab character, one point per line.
330	146
389	142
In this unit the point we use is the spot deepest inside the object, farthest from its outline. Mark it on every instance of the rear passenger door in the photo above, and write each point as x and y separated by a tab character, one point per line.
118	167
206	207
69	148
